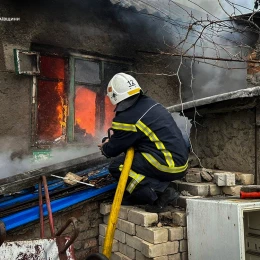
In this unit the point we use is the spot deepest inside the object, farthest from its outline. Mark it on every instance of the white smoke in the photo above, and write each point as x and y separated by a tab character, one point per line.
12	163
232	7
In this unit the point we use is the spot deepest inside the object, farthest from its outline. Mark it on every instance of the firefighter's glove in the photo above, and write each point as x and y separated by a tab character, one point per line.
104	140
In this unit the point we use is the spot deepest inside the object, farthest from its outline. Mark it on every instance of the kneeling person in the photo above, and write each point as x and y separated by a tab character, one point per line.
161	154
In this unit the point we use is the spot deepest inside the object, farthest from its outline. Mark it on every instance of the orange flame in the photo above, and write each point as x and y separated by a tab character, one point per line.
85	109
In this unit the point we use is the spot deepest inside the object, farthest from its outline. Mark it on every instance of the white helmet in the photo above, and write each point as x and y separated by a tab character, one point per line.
121	87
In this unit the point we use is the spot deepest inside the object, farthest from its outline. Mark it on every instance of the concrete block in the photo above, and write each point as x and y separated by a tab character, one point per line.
123	225
181	202
234	190
105	219
134	242
174	257
183	246
184	256
140	256
244	178
214	189
119	235
193	177
123	213
126	226
127	250
179	218
164	249
175	233
185	233
225	178
105	208
115	245
154	235
119	256
196	189
142	218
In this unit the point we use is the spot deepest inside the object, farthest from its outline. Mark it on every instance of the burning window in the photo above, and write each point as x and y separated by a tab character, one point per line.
93	110
51	99
81	113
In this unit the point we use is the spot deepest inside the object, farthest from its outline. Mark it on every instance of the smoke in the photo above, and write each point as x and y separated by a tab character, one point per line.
12	163
232	7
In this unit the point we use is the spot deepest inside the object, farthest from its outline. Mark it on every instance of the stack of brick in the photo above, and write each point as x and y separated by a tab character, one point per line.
142	235
206	182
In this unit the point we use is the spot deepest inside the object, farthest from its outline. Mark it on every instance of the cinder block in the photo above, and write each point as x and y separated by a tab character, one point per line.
196	189
174	257
123	225
134	242
105	219
142	218
154	235
123	213
184	256
127	250
244	178
214	189
183	246
115	245
165	216
126	226
185	233
105	208
119	256
164	249
175	233
179	218
181	202
234	190
119	235
225	178
193	176
140	256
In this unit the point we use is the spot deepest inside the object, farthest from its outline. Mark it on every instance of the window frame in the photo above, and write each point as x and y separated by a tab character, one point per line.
73	84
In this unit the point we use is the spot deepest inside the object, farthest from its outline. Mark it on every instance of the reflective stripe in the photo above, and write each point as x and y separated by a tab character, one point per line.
134	91
136	178
124	127
160	146
163	168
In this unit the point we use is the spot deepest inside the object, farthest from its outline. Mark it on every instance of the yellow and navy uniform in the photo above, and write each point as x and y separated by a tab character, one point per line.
161	154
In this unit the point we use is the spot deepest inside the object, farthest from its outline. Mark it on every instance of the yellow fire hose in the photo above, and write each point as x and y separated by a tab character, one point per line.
107	249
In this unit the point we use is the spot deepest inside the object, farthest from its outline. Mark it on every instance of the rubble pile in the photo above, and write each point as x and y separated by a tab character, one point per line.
201	182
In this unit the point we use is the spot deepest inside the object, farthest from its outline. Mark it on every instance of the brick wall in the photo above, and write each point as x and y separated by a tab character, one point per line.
89	218
142	235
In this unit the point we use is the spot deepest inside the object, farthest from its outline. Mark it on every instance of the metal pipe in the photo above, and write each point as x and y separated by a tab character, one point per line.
48	203
242	93
65	178
41	210
107	249
31	214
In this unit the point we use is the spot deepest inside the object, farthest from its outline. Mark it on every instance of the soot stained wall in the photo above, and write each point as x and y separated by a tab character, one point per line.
97	27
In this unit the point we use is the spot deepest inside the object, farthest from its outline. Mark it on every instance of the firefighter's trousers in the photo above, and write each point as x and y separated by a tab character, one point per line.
145	182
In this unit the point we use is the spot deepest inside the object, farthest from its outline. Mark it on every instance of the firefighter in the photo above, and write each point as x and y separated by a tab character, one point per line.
161	154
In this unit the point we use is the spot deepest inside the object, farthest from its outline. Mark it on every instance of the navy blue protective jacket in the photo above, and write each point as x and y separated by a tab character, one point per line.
150	129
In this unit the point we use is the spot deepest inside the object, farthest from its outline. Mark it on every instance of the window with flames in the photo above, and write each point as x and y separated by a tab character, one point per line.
72	105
